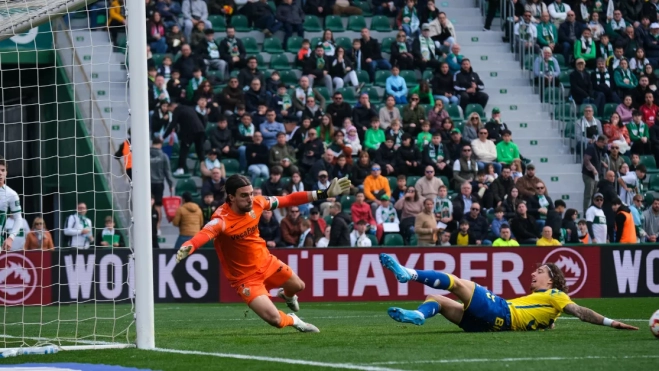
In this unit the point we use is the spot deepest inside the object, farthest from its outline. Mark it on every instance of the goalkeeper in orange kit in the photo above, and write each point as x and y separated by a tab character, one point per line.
248	265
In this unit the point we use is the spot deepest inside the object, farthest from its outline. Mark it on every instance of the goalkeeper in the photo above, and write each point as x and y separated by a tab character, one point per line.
246	261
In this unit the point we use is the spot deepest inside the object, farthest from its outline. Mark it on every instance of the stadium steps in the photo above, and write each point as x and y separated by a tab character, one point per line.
509	89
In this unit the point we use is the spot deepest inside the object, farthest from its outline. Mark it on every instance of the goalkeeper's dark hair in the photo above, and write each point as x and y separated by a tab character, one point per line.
557	277
3	162
233	183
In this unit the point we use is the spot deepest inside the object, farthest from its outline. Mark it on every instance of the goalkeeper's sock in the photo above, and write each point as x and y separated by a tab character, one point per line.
288	295
286	320
429	308
434	279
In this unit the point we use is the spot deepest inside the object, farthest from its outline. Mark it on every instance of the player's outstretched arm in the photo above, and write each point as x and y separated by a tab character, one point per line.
336	188
590	316
210	231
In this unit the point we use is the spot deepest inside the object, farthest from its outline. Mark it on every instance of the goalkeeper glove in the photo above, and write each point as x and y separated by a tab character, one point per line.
338	187
183	253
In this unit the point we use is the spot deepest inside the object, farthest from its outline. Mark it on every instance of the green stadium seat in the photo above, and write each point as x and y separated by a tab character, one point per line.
393	239
219	22
356	23
445	181
411	180
654	182
475	107
312	24
334	23
560	59
363	77
285	180
365	7
294	44
343	42
410	78
649	162
568	132
186	185
562	112
373	94
157	59
346	202
393	182
273	6
459	125
258	182
552	95
380	23
272	45
564	79
279	62
427	75
240	23
324	92
385	46
454	113
288	77
609	108
374	240
328	219
349	95
381	78
231	166
314	41
261	65
648	198
251	47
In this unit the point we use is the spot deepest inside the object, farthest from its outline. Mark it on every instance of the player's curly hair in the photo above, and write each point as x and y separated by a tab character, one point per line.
557	277
233	183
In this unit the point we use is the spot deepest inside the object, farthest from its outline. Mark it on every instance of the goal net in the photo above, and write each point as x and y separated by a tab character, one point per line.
65	113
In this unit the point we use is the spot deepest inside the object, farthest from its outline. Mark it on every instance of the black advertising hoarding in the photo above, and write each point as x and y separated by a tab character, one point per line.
108	275
630	270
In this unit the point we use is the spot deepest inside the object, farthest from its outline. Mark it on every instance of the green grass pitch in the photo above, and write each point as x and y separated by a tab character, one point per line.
358	336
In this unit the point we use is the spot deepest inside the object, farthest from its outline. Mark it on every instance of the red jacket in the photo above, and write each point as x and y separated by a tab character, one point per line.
649	113
362	212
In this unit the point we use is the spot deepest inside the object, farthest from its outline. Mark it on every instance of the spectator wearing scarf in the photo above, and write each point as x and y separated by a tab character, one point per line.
585	48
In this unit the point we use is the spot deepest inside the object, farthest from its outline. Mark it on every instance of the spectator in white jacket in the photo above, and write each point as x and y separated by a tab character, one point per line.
558	11
485	151
79	228
358	237
386	213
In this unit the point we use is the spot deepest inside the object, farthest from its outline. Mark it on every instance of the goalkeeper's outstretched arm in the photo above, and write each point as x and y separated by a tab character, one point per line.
590	316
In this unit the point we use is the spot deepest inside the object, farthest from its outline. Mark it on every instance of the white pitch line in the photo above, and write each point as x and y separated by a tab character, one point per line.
526	359
345	366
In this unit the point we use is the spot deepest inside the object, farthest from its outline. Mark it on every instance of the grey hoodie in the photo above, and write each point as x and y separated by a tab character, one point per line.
160	169
194	8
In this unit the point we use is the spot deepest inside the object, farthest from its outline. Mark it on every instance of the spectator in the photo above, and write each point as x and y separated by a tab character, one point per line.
649	110
581	88
270	128
568	32
375	185
444	239
211	162
469	86
444	208
208	206
442	84
209	51
478	225
434	155
340	233
39	237
437	115
374	136
583	233
317	67
273	186
625	108
339	110
342	70
495	126
322	184
296	185
156	34
462	203
322	164
505	239
425	225
428	186
605	49
249	73
363	114
396	133
639	134
401	52
540	205
314	112
629	182
281	154
371	54
523	226
638	93
109	236
389	112
400	190
526	32
302	92
624	223
290	14
214	185
502	186
291	227
325	240
194	12
602	82
222	140
511	202
186	64
319	8
160	172
584	48
396	86
462	237
191	131
558	11
650	221
498	222
485	150
454	60
547	33
546	69
188	218
527	183
410	205
425	51
408	20
638	62
464	168
358	237
507	151
413	115
231	95
232	50
306	237
116	19
625	80
409	157
175	39
536	8
270	230
596	220
547	239
386	213
256	96
442	31
318	224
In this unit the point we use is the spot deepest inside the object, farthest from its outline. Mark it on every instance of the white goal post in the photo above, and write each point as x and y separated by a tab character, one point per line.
18	17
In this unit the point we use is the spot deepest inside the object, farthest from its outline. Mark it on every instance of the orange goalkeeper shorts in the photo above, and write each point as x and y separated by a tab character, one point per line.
274	274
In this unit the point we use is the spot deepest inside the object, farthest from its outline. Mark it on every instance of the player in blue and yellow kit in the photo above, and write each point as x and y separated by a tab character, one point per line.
482	311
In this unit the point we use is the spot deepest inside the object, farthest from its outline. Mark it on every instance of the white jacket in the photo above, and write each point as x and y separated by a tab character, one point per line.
359	241
74	226
484	151
555	14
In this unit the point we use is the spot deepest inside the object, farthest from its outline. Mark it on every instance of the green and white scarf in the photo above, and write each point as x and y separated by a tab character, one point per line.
286	102
607	77
615	26
414	19
320	63
302	95
427	48
626	74
524	33
233	47
402	47
560	8
436	154
536	10
586	44
637	129
542	200
547	34
196	82
584	11
388	214
548	67
246	131
443	207
83	221
606	50
597	8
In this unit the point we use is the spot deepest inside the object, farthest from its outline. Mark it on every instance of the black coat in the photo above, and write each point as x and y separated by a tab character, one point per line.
340	232
371	49
533	205
225	52
220	138
361	117
270	230
359	173
564	31
216	189
462	81
523	228
478	226
459	206
500	188
580	86
442	83
339	112
310	66
188	122
260	153
254	98
385	156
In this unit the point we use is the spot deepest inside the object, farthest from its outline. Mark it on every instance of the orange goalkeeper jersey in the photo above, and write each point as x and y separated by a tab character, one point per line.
239	246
